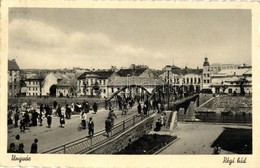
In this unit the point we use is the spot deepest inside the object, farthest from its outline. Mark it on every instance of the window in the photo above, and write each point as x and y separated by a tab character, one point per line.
195	80
187	80
208	75
204	75
205	81
112	90
191	80
104	91
229	90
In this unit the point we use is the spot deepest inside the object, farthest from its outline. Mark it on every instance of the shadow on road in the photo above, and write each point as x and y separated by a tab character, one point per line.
236	140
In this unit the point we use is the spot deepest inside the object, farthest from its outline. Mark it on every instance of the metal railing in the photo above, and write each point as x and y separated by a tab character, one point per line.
84	144
216	118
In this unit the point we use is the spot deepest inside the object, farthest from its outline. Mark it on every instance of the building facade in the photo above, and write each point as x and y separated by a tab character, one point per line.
14	77
94	83
206	75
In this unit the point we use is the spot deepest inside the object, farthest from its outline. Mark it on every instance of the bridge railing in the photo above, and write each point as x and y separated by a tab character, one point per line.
216	118
84	144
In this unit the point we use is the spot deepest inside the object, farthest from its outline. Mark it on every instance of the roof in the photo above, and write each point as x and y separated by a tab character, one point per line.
131	72
134	80
175	67
104	74
37	77
249	72
67	82
232	72
186	71
12	65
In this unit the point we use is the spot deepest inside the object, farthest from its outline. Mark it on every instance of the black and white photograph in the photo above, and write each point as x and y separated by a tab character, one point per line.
115	81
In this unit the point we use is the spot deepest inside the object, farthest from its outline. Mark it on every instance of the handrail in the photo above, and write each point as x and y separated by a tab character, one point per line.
85	143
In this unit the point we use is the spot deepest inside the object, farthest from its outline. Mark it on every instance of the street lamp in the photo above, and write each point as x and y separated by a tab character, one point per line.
168	69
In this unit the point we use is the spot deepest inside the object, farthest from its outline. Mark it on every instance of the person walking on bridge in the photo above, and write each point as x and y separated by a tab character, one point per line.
139	109
112	116
95	107
108	126
90	127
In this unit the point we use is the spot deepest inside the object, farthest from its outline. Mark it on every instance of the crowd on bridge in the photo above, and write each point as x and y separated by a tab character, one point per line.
26	116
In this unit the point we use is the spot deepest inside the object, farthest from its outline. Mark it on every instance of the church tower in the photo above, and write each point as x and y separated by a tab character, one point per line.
206	75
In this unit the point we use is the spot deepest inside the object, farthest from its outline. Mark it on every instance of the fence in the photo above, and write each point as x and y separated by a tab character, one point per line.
84	144
216	118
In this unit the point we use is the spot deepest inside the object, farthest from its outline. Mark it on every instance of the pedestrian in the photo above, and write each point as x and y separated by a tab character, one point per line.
106	103
90	127
95	107
159	108
16	118
112	116
34	118
34	146
11	148
158	125
217	149
83	118
17	141
62	117
41	115
22	124
27	119
20	148
68	111
145	109
49	118
162	119
108	126
139	109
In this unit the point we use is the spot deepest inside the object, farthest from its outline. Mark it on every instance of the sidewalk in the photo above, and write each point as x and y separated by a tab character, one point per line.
196	138
56	136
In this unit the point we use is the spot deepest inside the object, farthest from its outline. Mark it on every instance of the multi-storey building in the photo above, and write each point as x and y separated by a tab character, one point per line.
232	81
14	75
94	83
186	78
206	75
34	85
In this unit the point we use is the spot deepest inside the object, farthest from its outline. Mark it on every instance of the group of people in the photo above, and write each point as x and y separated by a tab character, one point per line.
110	121
161	122
85	122
18	146
29	116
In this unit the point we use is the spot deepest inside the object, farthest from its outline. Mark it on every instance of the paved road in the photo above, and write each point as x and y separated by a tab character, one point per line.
196	138
55	136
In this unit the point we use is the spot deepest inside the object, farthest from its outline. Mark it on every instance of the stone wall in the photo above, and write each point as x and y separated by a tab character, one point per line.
204	97
228	102
123	140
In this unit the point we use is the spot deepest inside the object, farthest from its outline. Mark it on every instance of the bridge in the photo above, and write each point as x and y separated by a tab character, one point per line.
129	129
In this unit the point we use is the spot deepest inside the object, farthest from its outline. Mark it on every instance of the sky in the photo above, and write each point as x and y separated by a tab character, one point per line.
52	38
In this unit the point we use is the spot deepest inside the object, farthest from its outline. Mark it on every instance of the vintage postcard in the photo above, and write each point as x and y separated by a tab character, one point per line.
129	84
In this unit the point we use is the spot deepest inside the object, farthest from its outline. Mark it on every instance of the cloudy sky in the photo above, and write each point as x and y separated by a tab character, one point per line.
99	38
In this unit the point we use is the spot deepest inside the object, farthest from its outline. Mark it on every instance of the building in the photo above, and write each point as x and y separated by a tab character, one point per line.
14	76
43	84
206	75
232	81
188	78
136	71
94	83
34	85
66	87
